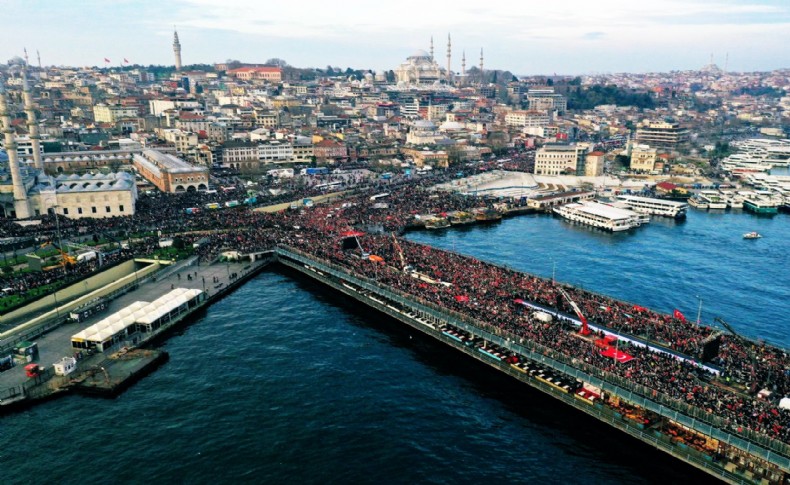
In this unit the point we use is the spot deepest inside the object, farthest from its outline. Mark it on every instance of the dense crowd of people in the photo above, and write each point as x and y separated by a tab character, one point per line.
479	290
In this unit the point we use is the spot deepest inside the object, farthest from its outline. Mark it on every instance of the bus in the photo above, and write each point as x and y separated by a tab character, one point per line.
379	196
329	186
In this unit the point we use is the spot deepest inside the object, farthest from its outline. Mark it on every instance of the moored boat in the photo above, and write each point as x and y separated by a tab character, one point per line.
459	218
752	235
487	215
437	223
697	202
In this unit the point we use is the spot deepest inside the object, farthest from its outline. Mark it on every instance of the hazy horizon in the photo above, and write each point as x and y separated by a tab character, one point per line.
567	38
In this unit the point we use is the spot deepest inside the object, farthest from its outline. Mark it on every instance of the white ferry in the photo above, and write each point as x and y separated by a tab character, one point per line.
655	207
601	216
713	199
733	199
698	202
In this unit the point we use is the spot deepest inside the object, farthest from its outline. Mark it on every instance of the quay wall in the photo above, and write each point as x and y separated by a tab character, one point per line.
334	276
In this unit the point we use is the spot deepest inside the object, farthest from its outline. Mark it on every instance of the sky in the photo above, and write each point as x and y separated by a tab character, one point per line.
525	37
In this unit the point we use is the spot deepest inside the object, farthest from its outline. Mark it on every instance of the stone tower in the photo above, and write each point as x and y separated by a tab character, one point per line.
177	49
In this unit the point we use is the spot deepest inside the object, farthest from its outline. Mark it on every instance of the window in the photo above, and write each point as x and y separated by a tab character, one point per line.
107	209
120	208
65	211
93	209
79	210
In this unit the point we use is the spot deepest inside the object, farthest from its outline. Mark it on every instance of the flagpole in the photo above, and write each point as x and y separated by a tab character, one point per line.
699	310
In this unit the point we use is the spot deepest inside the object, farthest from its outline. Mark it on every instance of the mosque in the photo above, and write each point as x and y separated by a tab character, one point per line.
421	68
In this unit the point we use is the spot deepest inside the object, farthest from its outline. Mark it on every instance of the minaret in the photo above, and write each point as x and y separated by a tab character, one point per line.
21	205
449	50
27	61
38	54
177	49
431	47
463	66
32	125
481	65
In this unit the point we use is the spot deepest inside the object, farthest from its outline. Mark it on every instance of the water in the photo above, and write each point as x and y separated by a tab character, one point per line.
664	265
283	380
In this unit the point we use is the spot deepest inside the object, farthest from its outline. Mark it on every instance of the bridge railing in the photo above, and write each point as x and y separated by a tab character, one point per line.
694	417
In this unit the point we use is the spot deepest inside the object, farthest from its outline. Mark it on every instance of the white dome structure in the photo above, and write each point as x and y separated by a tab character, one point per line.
419	68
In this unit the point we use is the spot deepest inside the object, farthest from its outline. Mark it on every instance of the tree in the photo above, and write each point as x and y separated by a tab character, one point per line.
276	62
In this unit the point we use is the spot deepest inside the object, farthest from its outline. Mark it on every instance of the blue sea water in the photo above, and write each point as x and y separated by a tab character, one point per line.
285	381
664	265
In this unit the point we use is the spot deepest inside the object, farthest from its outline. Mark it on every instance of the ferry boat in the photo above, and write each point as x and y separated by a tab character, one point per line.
698	202
655	207
437	223
601	216
734	200
713	199
487	215
459	218
752	235
760	205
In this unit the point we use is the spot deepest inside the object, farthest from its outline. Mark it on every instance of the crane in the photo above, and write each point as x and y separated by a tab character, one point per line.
585	328
405	267
65	258
746	347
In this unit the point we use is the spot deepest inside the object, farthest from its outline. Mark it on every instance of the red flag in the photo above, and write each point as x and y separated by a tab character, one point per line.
678	315
106	60
125	60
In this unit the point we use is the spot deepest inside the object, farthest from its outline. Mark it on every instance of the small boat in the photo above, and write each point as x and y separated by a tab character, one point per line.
752	235
437	223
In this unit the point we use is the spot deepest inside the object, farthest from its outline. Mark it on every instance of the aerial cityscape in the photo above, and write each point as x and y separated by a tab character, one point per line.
540	245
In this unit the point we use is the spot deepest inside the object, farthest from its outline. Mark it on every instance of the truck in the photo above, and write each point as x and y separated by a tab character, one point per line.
86	256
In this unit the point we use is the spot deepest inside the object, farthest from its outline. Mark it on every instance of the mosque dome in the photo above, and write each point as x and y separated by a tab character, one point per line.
419	53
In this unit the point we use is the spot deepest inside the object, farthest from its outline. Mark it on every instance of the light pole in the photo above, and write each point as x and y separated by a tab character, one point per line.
699	310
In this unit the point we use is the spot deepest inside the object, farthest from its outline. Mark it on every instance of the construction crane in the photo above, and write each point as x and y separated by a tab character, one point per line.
406	268
65	258
585	328
746	348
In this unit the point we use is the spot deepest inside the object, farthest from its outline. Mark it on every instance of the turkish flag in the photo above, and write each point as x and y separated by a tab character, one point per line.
678	315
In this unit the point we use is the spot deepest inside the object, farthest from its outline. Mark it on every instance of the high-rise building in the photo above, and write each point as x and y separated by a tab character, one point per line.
662	134
177	50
